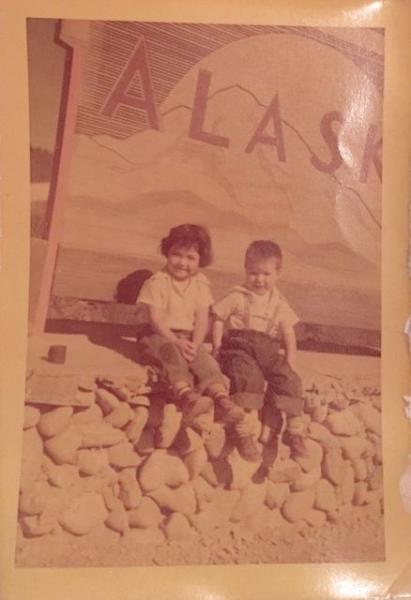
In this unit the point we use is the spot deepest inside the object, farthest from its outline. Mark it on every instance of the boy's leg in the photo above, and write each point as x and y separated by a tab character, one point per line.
284	391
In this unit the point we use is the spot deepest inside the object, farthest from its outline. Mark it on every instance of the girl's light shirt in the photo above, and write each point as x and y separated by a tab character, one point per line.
242	309
179	301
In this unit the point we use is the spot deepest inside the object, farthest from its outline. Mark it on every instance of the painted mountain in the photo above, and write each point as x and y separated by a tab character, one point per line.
261	132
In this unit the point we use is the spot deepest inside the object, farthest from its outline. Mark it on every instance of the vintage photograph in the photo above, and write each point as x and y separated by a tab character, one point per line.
203	369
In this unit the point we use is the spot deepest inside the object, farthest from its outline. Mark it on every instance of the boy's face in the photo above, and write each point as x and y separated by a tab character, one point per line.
182	262
261	275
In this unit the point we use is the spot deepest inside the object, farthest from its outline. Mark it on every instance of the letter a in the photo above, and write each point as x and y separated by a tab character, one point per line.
138	63
272	112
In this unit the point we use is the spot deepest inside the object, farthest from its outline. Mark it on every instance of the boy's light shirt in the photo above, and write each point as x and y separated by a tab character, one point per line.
179	303
243	309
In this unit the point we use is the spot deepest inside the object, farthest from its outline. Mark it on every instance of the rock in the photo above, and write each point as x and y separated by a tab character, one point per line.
146	515
214	440
123	455
130	492
34	500
251	501
63	447
135	428
85	398
276	494
181	499
84	514
87	383
307	481
31	416
312	456
375	481
178	529
53	422
276	519
345	492
62	476
360	493
118	520
315	518
284	471
162	469
91	414
38	525
217	473
106	400
195	461
204	492
242	470
343	423
353	447
217	512
371	417
257	522
325	498
333	466
145	444
120	416
96	483
32	456
95	435
321	434
169	427
187	441
360	469
110	493
297	505
319	413
90	462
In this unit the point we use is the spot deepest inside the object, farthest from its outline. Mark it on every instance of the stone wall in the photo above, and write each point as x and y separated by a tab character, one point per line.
124	458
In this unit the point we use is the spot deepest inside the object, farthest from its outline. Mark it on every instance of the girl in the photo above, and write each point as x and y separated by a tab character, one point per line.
178	299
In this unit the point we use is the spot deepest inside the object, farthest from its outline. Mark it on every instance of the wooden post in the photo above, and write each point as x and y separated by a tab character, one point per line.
72	37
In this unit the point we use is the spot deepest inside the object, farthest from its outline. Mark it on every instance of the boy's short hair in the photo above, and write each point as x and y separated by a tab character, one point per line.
186	236
263	250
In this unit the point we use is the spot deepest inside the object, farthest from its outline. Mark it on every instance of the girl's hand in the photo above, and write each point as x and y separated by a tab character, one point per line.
187	349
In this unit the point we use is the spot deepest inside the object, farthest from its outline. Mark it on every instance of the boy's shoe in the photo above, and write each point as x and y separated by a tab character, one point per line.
194	405
295	443
231	412
248	449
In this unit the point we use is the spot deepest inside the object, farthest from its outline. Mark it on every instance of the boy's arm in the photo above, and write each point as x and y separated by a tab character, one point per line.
201	326
217	333
290	343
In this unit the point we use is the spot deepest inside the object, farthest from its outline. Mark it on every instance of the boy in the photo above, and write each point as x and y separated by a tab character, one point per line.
255	320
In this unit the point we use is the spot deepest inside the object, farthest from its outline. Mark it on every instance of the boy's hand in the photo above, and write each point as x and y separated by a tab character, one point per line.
187	349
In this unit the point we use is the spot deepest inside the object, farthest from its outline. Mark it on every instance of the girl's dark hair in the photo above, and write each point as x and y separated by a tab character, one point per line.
262	250
185	236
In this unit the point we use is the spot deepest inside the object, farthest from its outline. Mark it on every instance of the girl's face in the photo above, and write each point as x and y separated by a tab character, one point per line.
183	262
261	275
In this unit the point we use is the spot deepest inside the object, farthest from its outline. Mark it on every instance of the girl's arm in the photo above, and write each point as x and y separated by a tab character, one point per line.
201	326
218	328
290	343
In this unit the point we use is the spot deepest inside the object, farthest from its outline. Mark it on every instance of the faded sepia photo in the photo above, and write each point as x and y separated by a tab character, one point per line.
203	369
